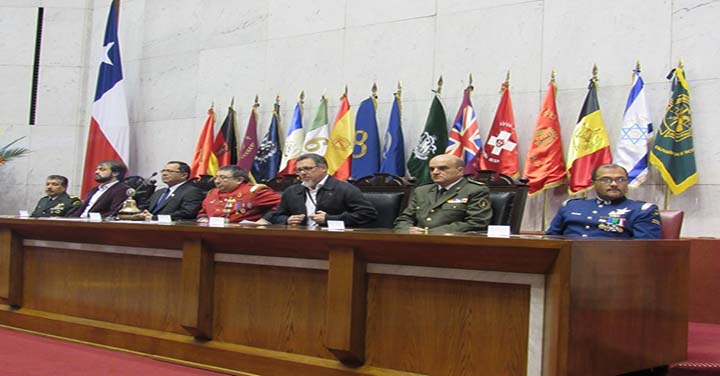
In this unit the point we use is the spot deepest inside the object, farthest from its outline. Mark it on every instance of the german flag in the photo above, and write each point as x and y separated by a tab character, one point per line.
225	145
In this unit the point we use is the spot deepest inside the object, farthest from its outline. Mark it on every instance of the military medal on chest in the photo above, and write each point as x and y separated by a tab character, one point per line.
229	206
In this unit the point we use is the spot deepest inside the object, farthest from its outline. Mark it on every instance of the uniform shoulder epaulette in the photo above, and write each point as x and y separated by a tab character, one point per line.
647	206
257	187
477	182
74	197
570	199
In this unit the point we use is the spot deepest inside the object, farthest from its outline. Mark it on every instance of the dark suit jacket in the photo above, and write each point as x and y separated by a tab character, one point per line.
62	206
341	201
109	203
184	203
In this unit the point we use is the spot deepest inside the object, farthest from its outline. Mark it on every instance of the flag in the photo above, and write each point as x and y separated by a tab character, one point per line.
464	140
635	134
393	161
249	146
267	160
500	152
204	161
293	141
673	153
589	143
431	143
340	146
109	134
545	167
316	138
366	151
225	145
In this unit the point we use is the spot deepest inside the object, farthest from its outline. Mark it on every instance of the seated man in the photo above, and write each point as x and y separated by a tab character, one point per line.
107	198
236	199
610	215
180	200
452	204
321	198
57	203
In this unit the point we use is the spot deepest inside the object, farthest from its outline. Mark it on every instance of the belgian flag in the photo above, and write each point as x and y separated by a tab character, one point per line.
589	143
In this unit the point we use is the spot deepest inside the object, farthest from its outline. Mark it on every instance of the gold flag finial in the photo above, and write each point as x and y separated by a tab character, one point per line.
637	65
302	97
681	63
374	90
277	99
594	78
345	92
232	102
439	85
553	75
470	83
507	77
399	90
257	102
212	105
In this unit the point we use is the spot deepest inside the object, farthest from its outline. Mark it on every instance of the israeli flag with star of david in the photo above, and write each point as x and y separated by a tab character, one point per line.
633	146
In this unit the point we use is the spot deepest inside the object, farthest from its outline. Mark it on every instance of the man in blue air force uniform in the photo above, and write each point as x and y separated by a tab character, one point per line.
611	214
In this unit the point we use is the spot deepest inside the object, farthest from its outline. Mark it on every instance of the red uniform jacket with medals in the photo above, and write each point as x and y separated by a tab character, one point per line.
247	202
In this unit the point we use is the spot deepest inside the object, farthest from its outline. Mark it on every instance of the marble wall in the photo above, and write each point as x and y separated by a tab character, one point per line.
180	56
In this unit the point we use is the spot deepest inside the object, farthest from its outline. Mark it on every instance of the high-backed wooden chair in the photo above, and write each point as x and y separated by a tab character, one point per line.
507	198
671	223
280	183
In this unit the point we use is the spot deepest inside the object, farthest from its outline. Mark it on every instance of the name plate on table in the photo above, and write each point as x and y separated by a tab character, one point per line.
23	214
497	231
164	218
216	222
336	225
95	217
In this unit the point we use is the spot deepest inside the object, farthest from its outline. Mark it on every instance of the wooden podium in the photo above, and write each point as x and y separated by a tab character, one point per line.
289	301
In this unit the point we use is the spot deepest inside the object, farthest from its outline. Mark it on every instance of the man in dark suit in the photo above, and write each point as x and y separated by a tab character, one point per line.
57	203
180	200
320	198
452	204
107	198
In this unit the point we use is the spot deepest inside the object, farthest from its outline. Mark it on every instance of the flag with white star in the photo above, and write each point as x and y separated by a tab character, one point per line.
632	147
109	135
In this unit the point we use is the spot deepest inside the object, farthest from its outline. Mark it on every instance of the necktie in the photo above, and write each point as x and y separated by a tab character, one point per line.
440	192
162	200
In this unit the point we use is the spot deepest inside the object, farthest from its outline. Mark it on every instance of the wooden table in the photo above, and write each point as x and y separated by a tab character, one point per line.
291	301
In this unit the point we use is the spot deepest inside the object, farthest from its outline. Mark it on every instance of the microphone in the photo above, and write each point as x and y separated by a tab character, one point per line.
149	180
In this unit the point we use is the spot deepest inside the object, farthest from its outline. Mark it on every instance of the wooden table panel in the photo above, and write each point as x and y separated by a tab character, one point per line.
123	289
447	327
273	308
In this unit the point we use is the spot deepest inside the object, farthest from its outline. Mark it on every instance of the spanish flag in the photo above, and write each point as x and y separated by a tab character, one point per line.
342	137
673	153
589	143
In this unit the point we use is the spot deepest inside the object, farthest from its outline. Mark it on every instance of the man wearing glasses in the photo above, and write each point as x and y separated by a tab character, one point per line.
236	199
180	200
320	198
611	214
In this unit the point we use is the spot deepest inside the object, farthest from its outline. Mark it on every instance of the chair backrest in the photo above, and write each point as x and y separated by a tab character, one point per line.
204	182
389	194
280	183
671	223
507	198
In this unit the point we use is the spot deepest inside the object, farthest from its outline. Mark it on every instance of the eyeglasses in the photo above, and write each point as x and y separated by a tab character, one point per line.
169	171
223	178
608	180
300	170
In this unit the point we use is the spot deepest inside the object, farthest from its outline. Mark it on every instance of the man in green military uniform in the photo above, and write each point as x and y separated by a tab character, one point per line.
57	203
451	204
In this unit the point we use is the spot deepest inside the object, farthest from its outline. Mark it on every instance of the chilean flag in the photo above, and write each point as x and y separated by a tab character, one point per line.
109	134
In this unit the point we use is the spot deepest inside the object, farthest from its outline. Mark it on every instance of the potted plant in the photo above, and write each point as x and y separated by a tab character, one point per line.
8	152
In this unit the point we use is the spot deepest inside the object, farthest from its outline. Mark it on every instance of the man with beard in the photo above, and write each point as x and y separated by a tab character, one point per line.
57	203
107	198
180	200
236	198
611	214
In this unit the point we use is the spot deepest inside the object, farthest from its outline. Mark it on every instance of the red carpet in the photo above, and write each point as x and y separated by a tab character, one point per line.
25	354
703	352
